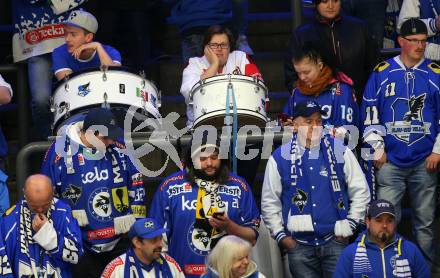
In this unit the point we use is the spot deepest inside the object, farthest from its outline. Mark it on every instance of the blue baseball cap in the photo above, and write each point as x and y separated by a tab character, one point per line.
307	108
104	118
379	207
146	228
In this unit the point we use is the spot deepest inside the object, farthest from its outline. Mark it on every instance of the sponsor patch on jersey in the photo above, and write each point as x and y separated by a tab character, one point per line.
381	66
84	90
72	193
99	204
300	199
137	179
194	269
230	190
139	211
81	159
101	233
408	125
111	267
178	189
172	261
120	198
434	67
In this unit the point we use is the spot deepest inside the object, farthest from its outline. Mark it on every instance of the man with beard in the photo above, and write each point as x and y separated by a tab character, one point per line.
380	251
202	203
144	258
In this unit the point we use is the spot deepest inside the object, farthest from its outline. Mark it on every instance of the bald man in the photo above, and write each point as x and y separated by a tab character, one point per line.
41	237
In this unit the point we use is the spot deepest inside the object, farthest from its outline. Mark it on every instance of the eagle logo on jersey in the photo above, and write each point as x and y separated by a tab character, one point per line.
300	199
99	204
408	125
415	107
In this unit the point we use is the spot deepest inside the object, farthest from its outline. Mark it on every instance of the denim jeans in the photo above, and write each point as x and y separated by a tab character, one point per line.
315	261
421	185
40	84
372	11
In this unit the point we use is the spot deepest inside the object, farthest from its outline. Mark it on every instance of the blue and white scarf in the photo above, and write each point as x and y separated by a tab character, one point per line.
362	266
133	267
30	254
300	220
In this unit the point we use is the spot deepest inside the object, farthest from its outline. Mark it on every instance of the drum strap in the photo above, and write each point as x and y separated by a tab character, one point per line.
230	94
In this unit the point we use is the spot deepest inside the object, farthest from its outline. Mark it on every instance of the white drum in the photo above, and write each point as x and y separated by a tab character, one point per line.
115	87
208	98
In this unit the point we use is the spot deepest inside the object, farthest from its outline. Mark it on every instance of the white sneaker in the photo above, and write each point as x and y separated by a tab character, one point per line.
243	45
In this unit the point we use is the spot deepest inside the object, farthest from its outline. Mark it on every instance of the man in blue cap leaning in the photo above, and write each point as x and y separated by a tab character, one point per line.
144	258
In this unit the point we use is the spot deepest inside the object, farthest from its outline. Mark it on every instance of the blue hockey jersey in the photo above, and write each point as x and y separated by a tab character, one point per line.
174	206
406	103
338	101
65	248
105	189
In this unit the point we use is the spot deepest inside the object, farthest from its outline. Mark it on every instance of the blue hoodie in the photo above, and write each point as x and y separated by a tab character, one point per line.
410	262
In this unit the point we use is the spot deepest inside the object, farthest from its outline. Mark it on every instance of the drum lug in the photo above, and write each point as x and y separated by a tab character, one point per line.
159	99
105	103
257	89
104	69
52	105
66	83
203	111
202	91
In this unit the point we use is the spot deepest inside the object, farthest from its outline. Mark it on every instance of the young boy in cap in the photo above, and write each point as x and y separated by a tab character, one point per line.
100	183
380	251
400	123
144	258
313	197
80	51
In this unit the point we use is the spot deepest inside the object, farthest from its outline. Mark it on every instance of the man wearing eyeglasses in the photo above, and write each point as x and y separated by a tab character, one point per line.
400	121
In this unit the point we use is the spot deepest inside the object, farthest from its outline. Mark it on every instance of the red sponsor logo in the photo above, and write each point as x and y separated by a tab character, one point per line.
171	260
101	234
46	32
195	269
108	271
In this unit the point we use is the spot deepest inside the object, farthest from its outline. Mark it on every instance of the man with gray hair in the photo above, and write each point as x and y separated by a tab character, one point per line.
41	237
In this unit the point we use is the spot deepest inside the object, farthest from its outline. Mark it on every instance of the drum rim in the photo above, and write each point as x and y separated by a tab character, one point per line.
85	109
196	124
61	82
241	109
226	76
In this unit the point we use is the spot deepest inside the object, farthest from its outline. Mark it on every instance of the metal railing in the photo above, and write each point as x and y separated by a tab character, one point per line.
23	157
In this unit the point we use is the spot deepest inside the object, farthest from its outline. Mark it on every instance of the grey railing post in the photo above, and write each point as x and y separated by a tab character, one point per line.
296	8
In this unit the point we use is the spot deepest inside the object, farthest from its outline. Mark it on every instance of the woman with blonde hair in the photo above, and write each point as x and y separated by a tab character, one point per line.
230	258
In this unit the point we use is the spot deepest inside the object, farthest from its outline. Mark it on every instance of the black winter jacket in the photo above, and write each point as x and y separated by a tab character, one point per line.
345	44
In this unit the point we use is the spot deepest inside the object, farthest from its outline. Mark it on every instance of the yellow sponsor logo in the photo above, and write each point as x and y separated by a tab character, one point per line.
120	198
434	67
381	66
139	211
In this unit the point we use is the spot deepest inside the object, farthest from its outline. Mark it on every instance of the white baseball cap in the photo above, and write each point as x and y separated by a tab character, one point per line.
83	19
